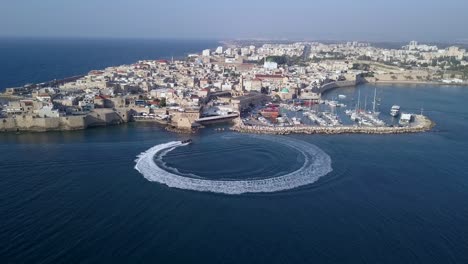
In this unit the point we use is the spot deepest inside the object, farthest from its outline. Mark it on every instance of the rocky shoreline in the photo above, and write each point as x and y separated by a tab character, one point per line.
180	130
421	124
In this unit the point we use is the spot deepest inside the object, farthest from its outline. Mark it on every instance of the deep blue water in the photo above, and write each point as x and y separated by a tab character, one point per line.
75	196
26	61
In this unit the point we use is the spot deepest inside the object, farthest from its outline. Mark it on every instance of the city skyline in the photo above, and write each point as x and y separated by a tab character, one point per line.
341	20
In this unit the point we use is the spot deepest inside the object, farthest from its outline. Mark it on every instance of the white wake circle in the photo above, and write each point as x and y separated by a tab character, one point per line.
316	164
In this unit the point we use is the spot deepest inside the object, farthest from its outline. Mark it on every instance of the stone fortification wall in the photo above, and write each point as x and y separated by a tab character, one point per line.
99	117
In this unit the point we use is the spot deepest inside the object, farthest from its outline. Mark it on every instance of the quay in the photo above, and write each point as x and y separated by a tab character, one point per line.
421	124
216	119
150	119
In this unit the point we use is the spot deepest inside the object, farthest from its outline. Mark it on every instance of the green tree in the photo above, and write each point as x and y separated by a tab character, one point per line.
465	74
364	57
361	66
278	59
162	102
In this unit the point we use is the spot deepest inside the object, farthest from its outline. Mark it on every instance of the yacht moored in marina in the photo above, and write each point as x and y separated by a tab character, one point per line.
395	111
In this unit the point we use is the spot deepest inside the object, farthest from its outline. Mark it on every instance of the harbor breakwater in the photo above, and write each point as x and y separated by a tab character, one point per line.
421	124
339	84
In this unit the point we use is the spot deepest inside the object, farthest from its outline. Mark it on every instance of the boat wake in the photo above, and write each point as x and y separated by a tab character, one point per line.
316	164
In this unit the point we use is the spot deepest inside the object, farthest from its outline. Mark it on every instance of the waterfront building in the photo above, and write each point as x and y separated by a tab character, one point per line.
47	111
206	53
245	101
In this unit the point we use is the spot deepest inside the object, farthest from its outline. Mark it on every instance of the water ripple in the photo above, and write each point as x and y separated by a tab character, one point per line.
316	164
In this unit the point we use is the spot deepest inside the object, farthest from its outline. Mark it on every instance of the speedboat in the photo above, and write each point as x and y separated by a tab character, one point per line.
187	141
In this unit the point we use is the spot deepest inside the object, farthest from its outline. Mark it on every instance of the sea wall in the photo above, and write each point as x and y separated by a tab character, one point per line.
421	124
31	123
338	84
104	117
99	117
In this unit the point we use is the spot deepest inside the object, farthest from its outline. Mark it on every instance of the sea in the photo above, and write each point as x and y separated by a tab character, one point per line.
76	196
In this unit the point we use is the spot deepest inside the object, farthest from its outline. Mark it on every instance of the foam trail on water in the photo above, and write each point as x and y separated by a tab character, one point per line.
316	164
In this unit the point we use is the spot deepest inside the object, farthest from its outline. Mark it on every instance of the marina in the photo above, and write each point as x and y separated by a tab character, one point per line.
325	117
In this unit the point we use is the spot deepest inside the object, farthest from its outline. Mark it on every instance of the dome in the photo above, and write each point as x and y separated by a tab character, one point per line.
285	90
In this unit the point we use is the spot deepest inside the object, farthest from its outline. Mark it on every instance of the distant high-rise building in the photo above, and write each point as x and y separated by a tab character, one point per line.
413	45
219	50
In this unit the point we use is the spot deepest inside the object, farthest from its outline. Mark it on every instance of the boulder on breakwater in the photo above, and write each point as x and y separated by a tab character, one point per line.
420	124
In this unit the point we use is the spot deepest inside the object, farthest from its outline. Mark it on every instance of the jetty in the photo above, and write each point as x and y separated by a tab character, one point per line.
421	124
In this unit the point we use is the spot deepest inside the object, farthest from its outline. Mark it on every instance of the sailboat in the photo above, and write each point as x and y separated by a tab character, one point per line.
374	104
365	104
354	115
358	105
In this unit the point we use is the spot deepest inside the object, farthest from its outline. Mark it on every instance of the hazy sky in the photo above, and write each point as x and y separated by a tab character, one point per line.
217	19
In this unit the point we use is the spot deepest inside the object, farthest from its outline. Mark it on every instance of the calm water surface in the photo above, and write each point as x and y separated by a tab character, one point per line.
75	196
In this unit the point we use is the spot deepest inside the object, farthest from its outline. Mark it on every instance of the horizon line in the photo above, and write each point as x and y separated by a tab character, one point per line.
260	39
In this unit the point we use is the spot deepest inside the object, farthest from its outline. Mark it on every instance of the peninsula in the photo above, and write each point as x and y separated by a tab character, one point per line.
254	87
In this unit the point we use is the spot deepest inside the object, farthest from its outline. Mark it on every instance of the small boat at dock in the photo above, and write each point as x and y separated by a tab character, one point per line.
395	111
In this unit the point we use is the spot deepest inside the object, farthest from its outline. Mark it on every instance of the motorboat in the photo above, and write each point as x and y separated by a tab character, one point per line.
395	111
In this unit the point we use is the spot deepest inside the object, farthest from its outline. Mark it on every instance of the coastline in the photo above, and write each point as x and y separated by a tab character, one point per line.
417	83
116	117
97	118
83	122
